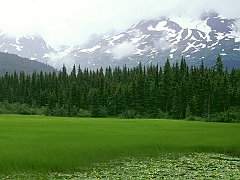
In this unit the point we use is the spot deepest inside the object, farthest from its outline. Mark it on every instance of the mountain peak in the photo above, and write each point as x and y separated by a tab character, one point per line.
210	14
155	40
32	47
150	41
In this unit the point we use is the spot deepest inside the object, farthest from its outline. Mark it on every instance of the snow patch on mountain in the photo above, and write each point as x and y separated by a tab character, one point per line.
112	40
89	50
139	52
223	54
189	23
190	45
2	44
108	51
189	33
46	56
178	38
220	36
159	27
235	49
137	38
17	46
173	50
235	35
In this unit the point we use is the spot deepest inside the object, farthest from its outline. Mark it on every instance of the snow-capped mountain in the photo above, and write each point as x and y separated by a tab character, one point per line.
31	47
153	41
149	41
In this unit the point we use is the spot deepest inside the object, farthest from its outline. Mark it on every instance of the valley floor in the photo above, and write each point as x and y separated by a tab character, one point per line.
45	145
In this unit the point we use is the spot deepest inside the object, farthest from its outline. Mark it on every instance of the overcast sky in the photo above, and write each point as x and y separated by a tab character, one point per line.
73	21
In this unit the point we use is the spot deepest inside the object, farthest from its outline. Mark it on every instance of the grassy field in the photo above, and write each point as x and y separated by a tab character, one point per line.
43	144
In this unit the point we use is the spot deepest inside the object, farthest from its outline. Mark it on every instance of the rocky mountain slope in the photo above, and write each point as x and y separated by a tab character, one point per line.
31	47
153	41
150	41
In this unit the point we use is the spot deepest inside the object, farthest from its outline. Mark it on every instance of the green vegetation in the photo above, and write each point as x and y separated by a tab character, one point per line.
50	144
176	91
18	108
167	166
10	63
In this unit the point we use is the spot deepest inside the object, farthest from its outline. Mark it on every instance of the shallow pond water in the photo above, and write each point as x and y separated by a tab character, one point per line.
168	166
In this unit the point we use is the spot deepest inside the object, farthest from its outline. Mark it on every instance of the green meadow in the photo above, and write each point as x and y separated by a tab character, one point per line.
53	144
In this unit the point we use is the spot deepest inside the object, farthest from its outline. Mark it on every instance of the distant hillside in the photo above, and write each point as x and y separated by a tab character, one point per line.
10	63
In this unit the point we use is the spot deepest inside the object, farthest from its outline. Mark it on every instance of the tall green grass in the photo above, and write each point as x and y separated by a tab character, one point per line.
42	144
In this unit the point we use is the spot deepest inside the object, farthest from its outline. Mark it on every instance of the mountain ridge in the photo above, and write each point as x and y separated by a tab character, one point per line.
10	63
32	47
149	41
153	41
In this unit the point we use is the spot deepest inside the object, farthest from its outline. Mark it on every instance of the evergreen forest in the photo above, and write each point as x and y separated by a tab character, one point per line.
172	91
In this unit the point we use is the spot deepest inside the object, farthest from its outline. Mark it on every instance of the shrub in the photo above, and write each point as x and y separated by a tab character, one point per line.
103	112
84	113
231	115
162	115
129	114
18	108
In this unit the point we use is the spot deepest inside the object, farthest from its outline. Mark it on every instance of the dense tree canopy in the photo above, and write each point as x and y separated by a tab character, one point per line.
176	91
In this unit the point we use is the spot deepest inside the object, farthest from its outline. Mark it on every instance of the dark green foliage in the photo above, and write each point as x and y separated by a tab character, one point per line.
18	108
174	91
129	114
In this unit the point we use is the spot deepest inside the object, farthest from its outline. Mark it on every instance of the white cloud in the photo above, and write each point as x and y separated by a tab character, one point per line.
162	44
73	21
123	50
238	25
56	59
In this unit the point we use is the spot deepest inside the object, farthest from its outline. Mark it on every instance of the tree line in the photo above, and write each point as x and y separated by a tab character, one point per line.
172	91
